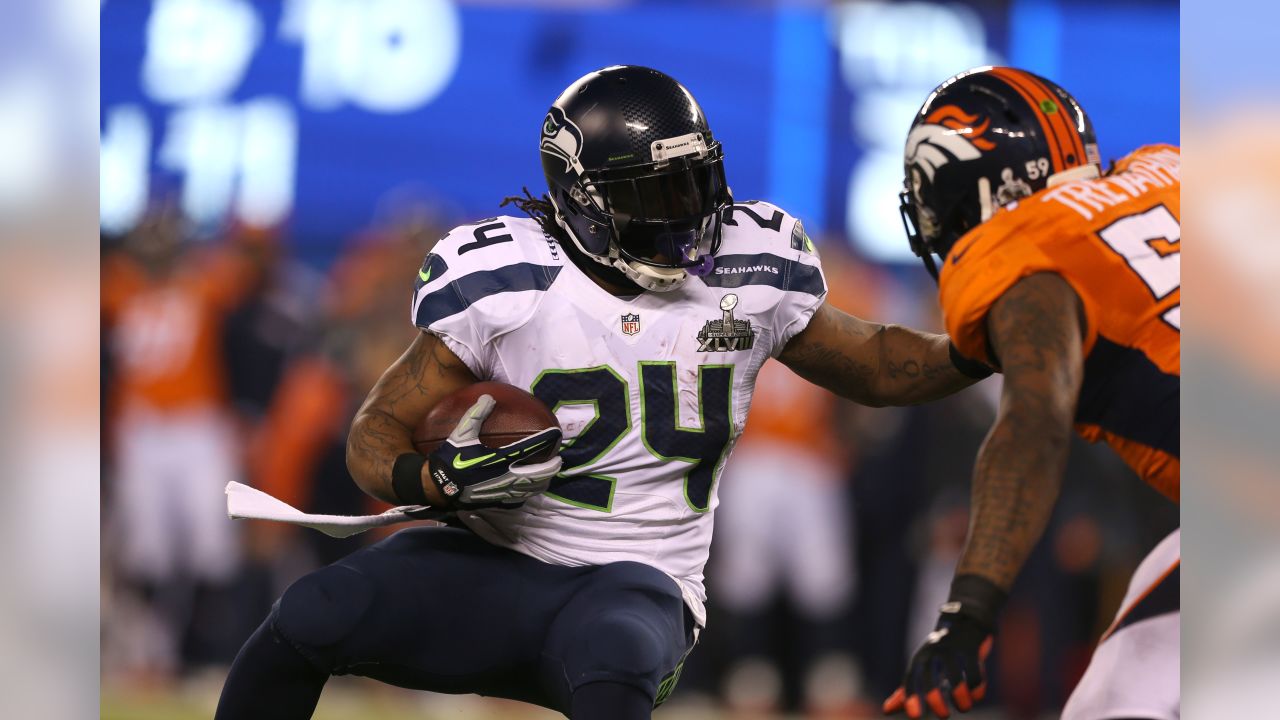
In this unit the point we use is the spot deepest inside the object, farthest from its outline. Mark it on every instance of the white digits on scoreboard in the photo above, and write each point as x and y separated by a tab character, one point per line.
124	152
198	49
891	55
239	157
380	55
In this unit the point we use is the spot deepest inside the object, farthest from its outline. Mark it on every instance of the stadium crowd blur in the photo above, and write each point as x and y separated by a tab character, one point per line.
228	357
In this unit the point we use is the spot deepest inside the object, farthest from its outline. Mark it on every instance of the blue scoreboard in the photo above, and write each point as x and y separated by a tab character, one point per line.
322	116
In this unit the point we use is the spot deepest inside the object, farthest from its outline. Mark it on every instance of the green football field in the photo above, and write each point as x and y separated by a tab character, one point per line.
342	700
351	699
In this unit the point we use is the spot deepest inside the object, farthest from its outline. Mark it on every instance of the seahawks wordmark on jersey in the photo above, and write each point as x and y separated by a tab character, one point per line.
652	391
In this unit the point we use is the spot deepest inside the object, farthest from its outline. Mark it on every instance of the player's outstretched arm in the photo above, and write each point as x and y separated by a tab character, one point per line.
1035	329
876	364
383	426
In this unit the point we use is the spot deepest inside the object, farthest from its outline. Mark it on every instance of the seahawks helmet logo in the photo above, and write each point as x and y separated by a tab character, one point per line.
948	133
562	139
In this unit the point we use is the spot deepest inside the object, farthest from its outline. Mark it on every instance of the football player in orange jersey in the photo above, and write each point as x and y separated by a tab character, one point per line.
1068	281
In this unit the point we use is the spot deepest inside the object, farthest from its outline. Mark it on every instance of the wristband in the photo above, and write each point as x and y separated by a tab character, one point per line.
975	597
406	479
967	367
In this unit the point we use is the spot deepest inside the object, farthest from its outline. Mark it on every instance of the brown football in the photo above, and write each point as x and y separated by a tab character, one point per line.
516	415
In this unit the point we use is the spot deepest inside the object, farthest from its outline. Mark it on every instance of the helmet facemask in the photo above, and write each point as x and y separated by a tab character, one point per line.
656	222
932	230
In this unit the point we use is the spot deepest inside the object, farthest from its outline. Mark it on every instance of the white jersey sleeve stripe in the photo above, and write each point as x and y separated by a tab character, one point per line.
734	271
461	293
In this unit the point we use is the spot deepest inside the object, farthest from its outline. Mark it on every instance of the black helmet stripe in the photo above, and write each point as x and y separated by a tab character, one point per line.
1068	129
1068	126
1013	80
1065	141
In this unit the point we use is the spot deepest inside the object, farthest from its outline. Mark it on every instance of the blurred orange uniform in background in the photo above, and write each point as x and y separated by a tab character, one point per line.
1116	240
174	440
784	522
165	330
788	410
298	450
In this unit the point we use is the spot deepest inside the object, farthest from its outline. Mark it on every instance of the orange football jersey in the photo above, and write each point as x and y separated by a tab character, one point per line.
1115	239
167	331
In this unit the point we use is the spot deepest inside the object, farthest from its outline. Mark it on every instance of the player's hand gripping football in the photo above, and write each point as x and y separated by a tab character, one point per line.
951	662
472	475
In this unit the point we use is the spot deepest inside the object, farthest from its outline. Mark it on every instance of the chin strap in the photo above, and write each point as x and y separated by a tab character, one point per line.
651	278
647	277
930	265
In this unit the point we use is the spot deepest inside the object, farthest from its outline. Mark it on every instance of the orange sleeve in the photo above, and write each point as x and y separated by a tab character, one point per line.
120	280
1123	163
989	261
307	405
223	276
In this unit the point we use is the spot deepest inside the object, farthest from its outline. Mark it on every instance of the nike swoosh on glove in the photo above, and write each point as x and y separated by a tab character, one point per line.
470	474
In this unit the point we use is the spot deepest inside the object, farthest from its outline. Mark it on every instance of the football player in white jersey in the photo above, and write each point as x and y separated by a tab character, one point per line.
638	301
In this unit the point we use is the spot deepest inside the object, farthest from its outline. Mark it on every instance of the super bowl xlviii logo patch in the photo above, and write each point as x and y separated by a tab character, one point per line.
726	334
630	324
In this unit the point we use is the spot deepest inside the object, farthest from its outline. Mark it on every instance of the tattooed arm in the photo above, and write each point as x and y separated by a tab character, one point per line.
871	363
1036	331
383	426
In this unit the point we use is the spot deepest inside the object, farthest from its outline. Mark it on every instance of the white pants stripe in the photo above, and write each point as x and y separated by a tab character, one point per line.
1135	671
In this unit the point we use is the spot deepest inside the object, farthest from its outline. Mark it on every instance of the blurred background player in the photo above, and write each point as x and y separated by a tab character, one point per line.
1069	282
294	351
786	527
299	452
174	442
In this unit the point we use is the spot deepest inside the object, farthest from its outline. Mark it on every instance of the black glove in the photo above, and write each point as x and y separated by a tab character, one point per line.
472	475
953	655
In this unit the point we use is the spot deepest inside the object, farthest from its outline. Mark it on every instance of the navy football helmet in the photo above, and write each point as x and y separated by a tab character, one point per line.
982	140
635	176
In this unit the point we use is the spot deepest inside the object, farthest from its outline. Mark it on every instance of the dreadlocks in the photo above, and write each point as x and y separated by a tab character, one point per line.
538	208
543	213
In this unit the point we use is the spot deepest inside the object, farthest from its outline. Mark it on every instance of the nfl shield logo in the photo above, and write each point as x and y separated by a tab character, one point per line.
630	324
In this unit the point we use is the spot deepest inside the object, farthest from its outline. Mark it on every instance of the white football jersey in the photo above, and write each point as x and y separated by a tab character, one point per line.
651	391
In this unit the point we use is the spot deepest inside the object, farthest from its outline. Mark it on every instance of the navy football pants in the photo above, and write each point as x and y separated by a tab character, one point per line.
439	609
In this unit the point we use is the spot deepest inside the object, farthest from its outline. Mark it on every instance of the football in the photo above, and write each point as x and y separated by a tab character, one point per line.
516	414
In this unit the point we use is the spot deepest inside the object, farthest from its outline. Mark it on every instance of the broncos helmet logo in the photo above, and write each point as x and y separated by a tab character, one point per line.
562	139
946	133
